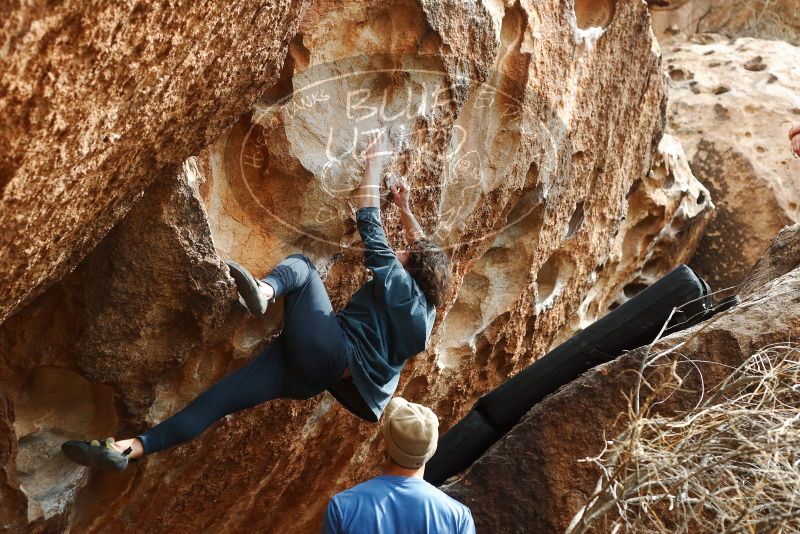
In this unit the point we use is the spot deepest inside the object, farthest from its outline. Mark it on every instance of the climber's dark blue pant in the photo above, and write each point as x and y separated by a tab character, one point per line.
308	356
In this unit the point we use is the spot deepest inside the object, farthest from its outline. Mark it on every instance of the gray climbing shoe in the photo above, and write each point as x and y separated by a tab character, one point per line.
95	453
248	288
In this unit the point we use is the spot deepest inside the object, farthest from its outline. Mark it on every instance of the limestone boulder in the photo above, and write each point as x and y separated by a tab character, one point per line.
533	139
731	105
100	99
537	477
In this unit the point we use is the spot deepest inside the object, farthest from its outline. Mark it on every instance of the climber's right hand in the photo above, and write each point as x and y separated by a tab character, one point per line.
794	138
400	193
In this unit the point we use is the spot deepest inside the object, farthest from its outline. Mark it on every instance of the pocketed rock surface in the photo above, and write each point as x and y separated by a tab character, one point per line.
537	158
731	105
534	479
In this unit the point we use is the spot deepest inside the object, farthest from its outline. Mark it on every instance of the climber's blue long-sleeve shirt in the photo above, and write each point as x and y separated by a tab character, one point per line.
387	320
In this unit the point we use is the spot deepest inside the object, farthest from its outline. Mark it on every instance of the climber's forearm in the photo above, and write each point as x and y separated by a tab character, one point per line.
368	193
411	227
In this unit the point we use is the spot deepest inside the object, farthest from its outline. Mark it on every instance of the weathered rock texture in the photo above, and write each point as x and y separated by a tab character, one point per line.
537	159
665	219
766	19
100	99
533	480
731	104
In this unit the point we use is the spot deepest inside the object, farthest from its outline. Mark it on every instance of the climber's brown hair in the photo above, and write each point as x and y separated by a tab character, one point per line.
429	266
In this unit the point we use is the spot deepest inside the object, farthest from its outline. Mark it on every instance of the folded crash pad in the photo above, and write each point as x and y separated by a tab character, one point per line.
635	323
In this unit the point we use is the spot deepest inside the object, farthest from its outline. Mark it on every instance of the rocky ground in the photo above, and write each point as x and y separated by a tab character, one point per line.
731	104
544	154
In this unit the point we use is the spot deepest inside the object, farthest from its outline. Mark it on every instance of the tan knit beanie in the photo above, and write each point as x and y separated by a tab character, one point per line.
411	432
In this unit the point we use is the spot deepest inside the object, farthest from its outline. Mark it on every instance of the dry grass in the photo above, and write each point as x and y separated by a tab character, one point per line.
731	464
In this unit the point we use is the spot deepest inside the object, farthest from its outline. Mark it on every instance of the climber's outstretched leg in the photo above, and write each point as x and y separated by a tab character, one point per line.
308	356
262	379
265	378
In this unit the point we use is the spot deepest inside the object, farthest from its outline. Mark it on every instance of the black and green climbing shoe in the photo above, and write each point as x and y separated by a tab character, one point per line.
100	454
248	288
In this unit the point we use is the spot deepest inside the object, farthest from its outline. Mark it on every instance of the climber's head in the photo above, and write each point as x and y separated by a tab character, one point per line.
429	266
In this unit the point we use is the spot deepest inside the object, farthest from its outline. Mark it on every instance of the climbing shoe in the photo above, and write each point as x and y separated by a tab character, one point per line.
249	288
100	454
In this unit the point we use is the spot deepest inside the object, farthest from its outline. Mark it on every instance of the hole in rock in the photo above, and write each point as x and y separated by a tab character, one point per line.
552	276
594	13
527	212
416	388
679	75
57	405
637	183
669	180
655	266
575	221
660	174
466	316
632	289
638	238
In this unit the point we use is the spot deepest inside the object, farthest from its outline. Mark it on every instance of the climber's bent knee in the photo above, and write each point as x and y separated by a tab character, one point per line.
290	274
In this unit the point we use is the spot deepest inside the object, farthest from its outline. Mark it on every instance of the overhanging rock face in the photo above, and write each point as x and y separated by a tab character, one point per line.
542	169
100	99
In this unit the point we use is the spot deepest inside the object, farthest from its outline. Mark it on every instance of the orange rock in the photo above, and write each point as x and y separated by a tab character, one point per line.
534	159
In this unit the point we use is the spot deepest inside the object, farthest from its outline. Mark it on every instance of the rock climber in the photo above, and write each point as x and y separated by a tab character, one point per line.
399	500
357	354
794	138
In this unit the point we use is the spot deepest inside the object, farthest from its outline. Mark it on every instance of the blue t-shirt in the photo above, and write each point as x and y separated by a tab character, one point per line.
387	320
390	504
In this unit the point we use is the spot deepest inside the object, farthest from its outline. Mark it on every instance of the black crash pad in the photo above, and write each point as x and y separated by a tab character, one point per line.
635	323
